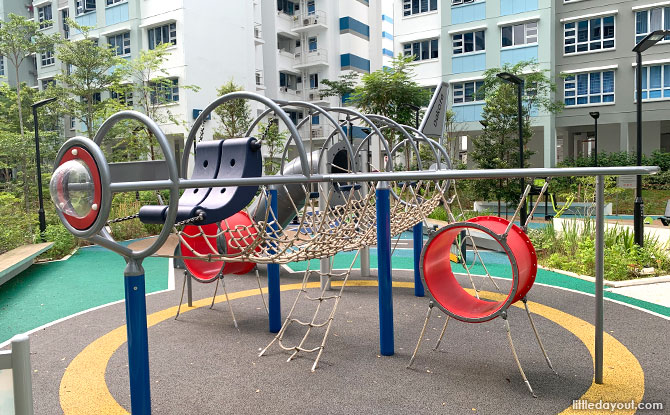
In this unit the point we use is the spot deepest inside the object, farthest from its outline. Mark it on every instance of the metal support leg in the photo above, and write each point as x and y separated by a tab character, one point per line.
216	288
274	295
417	234
423	331
138	342
181	298
386	341
600	272
516	358
189	288
230	306
537	336
260	290
444	328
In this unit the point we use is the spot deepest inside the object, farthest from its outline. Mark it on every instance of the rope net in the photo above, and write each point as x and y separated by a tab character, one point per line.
308	231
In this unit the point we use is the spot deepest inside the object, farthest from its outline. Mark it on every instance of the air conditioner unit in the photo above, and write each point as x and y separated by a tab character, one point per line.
316	132
306	22
283	88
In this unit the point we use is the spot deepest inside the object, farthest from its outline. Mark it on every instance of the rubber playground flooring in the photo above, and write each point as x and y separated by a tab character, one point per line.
46	292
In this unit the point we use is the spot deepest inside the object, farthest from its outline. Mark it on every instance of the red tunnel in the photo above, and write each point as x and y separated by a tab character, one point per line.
207	271
445	289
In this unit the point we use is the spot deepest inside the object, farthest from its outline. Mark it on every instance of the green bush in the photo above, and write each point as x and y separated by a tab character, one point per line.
126	204
573	250
64	241
16	226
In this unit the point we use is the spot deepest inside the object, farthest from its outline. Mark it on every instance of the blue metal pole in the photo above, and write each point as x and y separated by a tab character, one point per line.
274	296
384	269
138	343
417	233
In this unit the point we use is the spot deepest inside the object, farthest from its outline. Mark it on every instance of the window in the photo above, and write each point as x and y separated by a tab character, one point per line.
520	34
84	6
410	7
48	58
314	81
469	42
311	42
162	34
2	65
646	21
165	91
311	9
286	6
120	44
422	50
125	98
113	2
655	82
64	14
459	2
44	16
48	83
589	88
468	92
73	121
589	35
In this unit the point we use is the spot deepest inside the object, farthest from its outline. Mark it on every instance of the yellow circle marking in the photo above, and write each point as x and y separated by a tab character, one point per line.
83	389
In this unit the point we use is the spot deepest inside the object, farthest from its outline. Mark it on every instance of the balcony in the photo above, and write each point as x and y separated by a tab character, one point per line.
258	34
260	84
311	58
310	21
284	24
288	94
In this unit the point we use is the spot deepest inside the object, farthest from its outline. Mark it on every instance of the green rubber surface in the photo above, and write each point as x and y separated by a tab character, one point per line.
497	265
46	292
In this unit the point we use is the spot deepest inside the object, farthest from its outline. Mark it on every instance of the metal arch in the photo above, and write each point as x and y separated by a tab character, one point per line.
105	238
330	118
395	126
342	110
432	144
256	120
255	97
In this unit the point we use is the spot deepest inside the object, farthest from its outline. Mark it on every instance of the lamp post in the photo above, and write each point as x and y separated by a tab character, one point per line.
513	79
43	222
595	115
638	212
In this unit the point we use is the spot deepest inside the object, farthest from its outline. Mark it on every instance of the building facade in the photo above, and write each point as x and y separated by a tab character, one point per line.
282	49
583	45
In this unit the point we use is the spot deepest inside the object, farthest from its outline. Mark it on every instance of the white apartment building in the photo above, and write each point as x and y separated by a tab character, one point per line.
282	49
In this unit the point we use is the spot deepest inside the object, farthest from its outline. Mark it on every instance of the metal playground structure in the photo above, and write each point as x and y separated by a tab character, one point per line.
338	195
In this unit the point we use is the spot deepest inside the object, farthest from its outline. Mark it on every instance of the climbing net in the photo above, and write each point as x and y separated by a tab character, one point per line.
310	232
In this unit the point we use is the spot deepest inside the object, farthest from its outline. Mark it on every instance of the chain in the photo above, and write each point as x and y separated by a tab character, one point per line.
190	220
123	219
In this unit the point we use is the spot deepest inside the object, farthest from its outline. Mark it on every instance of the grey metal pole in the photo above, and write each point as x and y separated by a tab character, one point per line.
638	210
600	271
522	215
21	375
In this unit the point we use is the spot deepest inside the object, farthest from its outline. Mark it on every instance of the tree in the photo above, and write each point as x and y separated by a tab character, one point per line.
93	70
273	140
152	90
19	39
498	146
391	92
234	115
342	88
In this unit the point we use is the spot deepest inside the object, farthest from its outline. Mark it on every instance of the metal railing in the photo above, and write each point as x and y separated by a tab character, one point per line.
311	57
310	19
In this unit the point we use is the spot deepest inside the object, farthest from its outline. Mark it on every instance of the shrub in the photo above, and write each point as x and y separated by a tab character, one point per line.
16	226
64	241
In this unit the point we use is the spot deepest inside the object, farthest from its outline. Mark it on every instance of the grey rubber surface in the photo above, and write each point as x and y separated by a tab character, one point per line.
202	364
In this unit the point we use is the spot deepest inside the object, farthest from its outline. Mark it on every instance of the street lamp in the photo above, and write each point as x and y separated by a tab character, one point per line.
595	115
513	79
43	221
648	41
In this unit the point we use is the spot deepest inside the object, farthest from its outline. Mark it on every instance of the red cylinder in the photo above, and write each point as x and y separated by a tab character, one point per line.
239	235
445	289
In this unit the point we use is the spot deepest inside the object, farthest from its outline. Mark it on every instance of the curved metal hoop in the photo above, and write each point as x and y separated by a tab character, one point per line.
272	106
104	238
